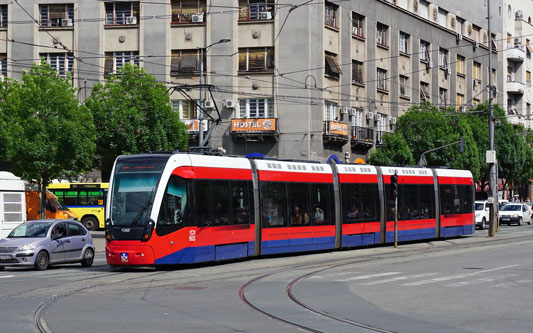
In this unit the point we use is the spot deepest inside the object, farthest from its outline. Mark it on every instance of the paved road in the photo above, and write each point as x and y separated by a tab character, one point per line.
471	284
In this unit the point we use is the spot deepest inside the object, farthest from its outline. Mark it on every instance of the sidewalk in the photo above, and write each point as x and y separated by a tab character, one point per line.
99	240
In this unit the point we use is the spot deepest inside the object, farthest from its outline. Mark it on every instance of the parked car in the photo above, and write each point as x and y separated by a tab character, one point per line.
41	243
515	213
481	209
502	203
530	205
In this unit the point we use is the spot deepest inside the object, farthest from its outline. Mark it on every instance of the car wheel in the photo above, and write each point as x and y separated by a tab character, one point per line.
42	261
519	222
483	224
88	258
2	268
91	223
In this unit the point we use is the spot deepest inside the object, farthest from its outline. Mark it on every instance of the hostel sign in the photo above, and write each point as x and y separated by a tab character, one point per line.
337	128
262	125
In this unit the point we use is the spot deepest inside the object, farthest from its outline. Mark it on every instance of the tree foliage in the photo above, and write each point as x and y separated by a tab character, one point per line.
132	114
48	133
395	151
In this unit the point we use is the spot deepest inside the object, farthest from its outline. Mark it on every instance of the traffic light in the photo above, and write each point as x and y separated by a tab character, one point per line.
461	145
394	185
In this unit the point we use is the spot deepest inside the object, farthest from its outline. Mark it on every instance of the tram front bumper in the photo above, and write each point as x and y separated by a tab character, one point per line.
129	254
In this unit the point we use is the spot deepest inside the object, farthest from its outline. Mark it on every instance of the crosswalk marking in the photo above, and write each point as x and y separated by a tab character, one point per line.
455	277
399	278
363	277
487	279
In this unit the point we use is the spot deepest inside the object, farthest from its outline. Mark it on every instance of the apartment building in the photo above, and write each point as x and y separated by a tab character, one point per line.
516	59
298	81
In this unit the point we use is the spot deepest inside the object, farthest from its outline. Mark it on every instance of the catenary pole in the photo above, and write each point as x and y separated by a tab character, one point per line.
491	154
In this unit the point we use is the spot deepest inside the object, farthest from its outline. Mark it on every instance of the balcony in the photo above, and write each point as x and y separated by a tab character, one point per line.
362	138
515	87
254	129
336	133
515	53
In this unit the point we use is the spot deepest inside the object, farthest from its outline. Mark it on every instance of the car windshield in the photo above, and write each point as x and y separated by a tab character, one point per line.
511	208
134	184
479	206
31	230
57	204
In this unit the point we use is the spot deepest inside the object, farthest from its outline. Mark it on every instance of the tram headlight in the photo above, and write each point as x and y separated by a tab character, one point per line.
147	233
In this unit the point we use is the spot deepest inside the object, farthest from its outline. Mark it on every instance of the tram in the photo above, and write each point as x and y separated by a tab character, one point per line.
183	208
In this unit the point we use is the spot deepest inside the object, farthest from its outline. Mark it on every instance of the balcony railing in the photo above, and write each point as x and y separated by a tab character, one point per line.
362	134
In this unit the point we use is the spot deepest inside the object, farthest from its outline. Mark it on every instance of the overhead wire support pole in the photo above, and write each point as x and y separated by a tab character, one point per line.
491	153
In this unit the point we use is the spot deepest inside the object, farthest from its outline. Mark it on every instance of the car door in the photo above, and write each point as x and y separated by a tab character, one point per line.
57	247
77	241
525	213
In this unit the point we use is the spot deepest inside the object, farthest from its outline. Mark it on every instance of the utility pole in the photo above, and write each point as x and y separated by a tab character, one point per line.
491	153
394	193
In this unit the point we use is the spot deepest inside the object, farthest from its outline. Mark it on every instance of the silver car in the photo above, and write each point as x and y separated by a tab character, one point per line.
41	243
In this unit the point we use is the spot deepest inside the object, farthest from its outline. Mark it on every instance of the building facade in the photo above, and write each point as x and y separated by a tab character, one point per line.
300	81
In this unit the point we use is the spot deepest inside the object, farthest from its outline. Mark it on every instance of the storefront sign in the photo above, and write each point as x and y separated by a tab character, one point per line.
253	125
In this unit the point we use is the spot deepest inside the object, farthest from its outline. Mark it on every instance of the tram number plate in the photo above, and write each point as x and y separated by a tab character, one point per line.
5	257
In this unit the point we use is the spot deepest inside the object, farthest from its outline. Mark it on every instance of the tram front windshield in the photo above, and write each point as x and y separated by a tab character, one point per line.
134	185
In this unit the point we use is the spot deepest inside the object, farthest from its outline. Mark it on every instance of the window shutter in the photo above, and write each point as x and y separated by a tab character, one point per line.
108	66
175	65
188	63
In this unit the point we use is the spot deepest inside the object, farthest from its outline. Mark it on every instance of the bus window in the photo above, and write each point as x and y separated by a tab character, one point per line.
173	212
70	198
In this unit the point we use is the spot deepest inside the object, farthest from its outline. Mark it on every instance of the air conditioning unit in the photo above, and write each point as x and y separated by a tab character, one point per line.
377	117
229	104
430	64
266	16
344	110
517	42
198	18
66	22
448	71
459	36
519	15
476	45
209	104
393	120
353	111
131	20
369	115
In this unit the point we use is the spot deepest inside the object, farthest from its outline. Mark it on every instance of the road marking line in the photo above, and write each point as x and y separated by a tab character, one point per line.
322	276
6	276
455	277
362	277
487	279
400	278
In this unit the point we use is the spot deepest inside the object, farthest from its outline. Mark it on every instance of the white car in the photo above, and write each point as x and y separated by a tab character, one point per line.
515	213
481	208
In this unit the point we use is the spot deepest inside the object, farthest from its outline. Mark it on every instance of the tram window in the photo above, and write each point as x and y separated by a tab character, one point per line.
173	213
299	209
389	202
409	197
446	199
321	204
456	199
221	204
426	201
240	202
201	199
351	205
369	202
273	204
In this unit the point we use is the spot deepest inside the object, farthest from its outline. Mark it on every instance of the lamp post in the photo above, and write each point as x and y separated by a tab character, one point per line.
201	114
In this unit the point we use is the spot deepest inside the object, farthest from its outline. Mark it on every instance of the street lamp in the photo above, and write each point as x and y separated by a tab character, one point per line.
201	114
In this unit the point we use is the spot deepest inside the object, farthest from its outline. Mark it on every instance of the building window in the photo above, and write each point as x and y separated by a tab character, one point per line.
57	15
330	111
332	68
460	65
528	78
443	96
185	108
476	32
382	31
356	120
116	60
256	10
494	43
185	62
188	11
403	43
3	16
509	74
443	58
358	22
509	37
256	59
256	108
476	71
404	86
119	13
382	79
382	123
424	92
475	101
331	14
460	101
3	65
357	72
424	51
60	62
528	49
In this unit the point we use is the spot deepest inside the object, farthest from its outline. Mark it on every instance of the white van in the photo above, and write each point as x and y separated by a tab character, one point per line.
12	202
481	209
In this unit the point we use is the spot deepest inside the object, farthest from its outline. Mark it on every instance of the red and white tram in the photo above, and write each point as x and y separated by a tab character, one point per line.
188	208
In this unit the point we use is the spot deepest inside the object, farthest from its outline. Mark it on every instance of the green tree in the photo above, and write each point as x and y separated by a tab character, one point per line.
51	134
132	114
395	151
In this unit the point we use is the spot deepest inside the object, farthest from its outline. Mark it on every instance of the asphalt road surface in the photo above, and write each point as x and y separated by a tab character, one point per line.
468	284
